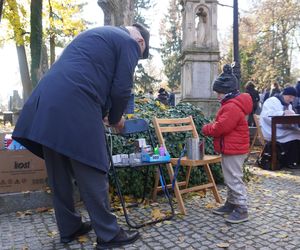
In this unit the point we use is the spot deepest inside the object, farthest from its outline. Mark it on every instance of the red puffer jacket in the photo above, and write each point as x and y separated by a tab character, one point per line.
230	128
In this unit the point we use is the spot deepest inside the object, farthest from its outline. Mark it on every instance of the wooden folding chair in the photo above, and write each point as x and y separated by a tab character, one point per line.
257	136
184	125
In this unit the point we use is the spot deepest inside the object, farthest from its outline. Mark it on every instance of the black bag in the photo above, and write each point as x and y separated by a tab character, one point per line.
265	159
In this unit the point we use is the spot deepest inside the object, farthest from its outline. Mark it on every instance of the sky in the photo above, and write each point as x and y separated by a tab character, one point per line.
9	70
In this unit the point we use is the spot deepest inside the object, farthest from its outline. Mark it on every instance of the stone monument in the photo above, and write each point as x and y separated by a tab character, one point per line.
200	53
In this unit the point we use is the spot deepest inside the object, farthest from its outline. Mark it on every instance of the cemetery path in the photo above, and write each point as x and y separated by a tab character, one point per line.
274	208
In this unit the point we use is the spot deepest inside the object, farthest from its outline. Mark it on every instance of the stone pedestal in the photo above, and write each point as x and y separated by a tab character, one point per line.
200	53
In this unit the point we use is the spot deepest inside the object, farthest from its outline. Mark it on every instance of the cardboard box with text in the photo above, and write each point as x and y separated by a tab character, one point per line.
21	171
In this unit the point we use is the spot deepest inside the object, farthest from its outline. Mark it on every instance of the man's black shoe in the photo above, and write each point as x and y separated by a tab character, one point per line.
85	228
124	237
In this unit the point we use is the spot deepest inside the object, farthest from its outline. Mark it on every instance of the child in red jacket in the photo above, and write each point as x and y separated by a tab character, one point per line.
231	139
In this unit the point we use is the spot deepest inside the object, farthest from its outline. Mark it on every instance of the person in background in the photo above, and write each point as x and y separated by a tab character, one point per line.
287	135
171	100
287	85
231	139
150	95
296	102
163	96
263	93
250	89
275	89
62	122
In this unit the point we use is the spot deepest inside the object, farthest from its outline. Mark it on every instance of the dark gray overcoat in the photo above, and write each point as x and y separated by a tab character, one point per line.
65	110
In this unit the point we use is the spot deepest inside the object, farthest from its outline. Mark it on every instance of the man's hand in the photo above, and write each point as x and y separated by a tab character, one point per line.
289	112
105	121
120	125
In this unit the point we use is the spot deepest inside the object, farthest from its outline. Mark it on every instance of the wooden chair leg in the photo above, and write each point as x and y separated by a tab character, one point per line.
176	190
254	140
211	180
154	195
188	174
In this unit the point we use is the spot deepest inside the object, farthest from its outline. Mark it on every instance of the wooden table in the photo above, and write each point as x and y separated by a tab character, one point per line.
289	119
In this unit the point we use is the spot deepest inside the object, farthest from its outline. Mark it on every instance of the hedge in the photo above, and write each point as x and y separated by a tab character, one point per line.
132	180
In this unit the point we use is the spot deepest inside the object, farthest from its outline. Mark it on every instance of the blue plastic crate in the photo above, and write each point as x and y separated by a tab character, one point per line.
155	158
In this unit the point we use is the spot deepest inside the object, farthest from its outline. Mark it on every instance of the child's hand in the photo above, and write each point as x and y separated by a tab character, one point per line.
205	129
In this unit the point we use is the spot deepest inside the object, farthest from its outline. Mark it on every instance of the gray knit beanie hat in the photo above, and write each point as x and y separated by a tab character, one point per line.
226	82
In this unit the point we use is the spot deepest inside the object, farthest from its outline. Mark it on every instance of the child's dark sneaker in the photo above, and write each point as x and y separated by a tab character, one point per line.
238	215
227	208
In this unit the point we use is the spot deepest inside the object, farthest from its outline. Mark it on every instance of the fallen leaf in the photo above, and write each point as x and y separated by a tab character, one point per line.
24	213
180	216
202	194
264	231
282	192
145	206
28	212
209	236
52	234
281	236
19	214
223	245
82	239
168	222
128	199
180	239
224	229
42	209
210	205
51	210
157	214
154	204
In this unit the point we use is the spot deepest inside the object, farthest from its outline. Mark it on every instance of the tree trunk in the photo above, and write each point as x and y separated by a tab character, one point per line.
1	8
19	32
24	72
44	65
52	48
117	12
36	37
52	35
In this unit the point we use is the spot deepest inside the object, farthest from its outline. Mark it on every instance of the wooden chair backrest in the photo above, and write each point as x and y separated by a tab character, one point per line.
259	132
173	125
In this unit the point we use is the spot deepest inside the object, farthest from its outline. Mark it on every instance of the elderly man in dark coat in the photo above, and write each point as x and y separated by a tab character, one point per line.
62	123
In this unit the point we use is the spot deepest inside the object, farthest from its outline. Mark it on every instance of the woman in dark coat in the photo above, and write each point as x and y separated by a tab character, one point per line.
163	96
62	123
250	89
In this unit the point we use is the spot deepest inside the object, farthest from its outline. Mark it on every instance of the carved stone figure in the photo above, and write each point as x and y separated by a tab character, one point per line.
201	27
